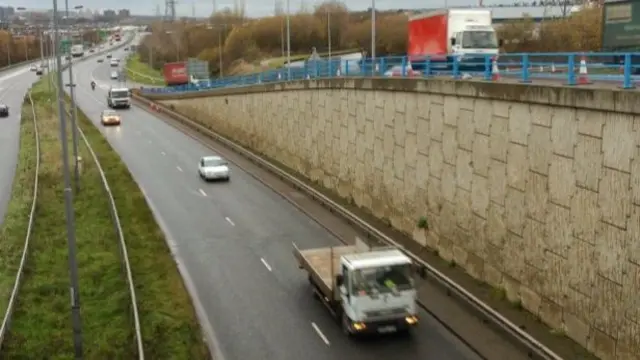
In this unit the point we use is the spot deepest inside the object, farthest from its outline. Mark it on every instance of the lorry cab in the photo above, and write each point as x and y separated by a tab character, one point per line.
119	98
476	39
377	292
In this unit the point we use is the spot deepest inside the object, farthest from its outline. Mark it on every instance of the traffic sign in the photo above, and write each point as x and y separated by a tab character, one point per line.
65	46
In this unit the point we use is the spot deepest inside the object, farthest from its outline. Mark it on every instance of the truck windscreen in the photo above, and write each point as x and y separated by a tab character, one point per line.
382	280
479	40
120	94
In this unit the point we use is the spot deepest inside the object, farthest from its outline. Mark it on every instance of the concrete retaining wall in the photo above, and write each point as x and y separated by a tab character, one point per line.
533	189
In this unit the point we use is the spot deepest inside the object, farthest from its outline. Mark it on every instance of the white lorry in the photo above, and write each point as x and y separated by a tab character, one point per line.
466	35
119	98
77	50
367	290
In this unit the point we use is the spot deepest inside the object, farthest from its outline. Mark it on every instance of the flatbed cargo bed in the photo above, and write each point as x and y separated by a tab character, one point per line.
323	264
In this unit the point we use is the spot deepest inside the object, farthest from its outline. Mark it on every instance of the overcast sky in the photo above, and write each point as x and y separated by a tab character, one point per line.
255	8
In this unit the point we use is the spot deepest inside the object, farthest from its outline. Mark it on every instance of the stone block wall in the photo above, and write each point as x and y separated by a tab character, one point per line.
532	189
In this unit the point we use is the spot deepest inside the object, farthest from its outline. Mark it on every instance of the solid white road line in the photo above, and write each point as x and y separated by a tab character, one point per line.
229	221
179	168
319	332
202	192
264	262
163	153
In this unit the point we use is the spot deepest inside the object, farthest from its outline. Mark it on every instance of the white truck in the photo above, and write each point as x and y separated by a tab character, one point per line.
370	291
466	35
77	50
119	98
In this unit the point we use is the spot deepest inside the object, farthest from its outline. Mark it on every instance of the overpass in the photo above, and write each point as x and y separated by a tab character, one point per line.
533	189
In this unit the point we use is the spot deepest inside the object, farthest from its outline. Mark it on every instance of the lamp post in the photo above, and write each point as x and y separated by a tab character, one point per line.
219	28
329	33
74	115
373	37
25	38
68	199
220	53
288	40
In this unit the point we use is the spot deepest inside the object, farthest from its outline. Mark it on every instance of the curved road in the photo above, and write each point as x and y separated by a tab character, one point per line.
235	241
13	86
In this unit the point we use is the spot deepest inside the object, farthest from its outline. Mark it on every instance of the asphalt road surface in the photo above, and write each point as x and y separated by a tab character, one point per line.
235	241
13	87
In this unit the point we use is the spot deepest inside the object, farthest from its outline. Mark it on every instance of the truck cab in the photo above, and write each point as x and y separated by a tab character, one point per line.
77	50
377	292
119	98
368	290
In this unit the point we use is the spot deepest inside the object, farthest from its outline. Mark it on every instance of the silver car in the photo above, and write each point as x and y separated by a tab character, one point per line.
213	168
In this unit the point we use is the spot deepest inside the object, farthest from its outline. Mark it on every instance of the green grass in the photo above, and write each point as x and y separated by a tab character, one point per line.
41	322
14	227
142	73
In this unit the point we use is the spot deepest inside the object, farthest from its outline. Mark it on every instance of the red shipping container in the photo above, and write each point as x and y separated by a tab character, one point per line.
175	73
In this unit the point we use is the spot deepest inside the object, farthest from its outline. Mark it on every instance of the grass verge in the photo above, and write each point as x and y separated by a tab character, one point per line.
41	323
142	73
14	226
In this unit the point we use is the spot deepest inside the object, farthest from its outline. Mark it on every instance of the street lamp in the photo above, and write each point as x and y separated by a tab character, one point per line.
68	199
40	39
288	40
373	37
218	27
74	111
329	34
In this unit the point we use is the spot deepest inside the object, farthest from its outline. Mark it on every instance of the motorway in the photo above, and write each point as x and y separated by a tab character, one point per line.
235	242
13	86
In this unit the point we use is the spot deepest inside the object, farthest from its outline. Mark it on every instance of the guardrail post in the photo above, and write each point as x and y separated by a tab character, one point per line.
427	67
382	66
571	71
456	67
346	68
404	66
525	69
628	69
329	68
487	67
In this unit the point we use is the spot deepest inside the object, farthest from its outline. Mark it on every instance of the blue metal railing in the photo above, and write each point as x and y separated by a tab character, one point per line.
571	69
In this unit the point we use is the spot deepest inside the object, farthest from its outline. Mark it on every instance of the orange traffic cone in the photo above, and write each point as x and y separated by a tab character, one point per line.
583	76
495	72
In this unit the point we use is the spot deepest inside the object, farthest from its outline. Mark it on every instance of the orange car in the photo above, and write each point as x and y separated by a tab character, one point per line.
110	117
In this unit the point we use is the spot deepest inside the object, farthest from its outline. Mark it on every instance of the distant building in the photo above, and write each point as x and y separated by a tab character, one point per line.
109	14
124	13
6	12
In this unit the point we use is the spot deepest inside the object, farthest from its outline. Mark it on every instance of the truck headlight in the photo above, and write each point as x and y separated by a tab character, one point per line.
358	326
411	320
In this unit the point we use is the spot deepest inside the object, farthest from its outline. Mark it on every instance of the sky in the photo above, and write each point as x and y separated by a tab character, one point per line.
255	8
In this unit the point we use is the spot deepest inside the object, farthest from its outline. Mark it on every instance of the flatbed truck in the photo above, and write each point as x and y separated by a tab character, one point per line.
368	290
